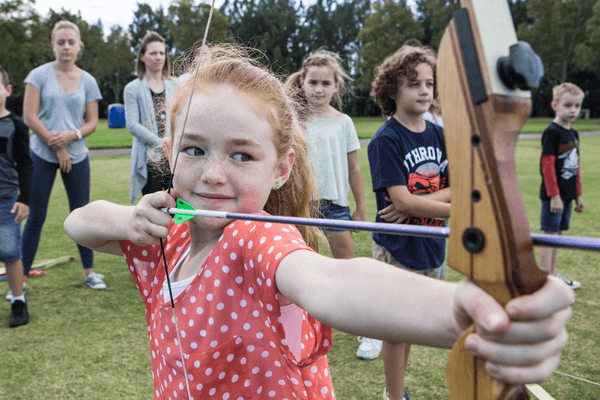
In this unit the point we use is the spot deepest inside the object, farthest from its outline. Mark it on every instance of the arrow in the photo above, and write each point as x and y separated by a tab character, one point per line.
185	212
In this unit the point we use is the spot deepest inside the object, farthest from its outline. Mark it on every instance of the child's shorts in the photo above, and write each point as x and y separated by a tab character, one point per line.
380	253
330	210
10	232
551	222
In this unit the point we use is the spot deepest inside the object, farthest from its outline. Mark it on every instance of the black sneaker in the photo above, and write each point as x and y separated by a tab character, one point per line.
18	313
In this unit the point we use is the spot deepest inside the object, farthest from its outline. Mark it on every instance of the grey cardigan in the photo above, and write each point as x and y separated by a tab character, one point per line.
141	123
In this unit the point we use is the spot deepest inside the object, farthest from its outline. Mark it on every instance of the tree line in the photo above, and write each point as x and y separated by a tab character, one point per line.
566	34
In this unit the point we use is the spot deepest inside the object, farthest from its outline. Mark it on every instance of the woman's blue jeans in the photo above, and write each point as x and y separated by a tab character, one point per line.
77	184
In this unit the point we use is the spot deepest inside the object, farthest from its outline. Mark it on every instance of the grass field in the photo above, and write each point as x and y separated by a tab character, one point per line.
365	127
85	344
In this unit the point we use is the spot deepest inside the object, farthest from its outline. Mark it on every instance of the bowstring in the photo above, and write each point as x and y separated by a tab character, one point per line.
162	248
576	377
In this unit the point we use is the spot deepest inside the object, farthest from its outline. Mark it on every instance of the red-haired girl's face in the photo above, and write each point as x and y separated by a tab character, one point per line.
227	157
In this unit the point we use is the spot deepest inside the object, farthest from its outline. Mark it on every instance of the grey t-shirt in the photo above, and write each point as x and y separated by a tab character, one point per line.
330	141
61	111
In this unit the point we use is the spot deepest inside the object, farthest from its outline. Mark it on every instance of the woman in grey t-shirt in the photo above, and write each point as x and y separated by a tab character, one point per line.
61	108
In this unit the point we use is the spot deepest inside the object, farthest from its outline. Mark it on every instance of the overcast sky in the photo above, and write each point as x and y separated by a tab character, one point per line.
111	12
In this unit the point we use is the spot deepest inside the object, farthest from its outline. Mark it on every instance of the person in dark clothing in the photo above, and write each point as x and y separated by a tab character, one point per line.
16	170
561	172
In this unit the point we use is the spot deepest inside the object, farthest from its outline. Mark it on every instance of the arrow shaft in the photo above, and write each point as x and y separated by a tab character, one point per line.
566	242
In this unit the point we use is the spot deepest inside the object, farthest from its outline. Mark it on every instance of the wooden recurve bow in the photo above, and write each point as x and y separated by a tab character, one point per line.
483	78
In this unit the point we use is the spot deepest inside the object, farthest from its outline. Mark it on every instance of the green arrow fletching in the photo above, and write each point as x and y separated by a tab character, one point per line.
181	217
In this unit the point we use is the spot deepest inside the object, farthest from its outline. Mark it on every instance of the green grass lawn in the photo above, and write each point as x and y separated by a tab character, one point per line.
365	127
105	138
85	344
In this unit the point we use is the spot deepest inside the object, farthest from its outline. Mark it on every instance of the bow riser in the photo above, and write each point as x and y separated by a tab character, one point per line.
472	168
492	242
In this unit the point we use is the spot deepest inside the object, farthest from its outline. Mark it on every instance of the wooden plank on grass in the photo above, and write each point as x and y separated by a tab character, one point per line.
45	264
539	393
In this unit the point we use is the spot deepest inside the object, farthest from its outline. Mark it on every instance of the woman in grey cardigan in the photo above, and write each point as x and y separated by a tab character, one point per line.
146	116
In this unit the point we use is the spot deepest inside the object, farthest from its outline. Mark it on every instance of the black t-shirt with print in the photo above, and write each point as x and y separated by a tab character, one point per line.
563	144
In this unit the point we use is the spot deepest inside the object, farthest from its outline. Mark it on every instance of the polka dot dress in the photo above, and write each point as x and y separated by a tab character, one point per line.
230	321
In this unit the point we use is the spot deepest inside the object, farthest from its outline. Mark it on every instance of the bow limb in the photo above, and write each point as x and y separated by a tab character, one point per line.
490	240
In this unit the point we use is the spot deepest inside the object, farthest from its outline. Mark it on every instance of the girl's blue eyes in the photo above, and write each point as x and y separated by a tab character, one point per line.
196	151
241	157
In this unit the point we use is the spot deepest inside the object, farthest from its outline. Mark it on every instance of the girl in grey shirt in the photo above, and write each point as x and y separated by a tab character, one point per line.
61	108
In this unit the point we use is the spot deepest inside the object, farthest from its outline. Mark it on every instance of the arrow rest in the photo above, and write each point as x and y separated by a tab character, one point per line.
473	239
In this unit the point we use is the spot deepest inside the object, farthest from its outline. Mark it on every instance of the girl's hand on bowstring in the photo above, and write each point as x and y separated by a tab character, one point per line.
522	342
148	223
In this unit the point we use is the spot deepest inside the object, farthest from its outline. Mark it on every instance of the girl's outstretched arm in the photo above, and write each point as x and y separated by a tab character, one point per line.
522	342
100	225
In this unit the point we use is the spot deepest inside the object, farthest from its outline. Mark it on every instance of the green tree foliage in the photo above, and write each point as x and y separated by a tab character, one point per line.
390	25
566	34
117	69
146	19
25	43
434	16
587	60
270	26
587	54
187	24
556	28
335	25
518	11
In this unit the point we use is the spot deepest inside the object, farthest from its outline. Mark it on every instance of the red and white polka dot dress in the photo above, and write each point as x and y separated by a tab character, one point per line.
229	319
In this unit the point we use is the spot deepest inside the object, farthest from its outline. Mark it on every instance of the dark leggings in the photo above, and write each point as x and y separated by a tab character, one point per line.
157	180
77	184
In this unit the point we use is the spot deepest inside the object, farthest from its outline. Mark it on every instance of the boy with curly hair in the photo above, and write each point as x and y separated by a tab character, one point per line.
409	170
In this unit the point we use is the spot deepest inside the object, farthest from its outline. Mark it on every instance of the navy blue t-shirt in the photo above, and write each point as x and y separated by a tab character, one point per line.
417	160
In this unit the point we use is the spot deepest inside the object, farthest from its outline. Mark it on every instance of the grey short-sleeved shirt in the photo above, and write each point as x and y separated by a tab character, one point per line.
61	111
330	142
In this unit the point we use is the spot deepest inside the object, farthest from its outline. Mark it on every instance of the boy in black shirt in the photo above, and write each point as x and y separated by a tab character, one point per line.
559	166
15	181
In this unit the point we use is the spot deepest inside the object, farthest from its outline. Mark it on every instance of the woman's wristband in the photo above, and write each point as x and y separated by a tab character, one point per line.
79	135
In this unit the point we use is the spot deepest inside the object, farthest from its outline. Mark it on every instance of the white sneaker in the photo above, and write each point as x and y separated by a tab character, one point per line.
386	395
574	284
94	281
369	349
9	295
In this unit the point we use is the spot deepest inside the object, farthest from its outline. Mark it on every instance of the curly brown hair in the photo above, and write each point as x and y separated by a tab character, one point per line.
401	65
